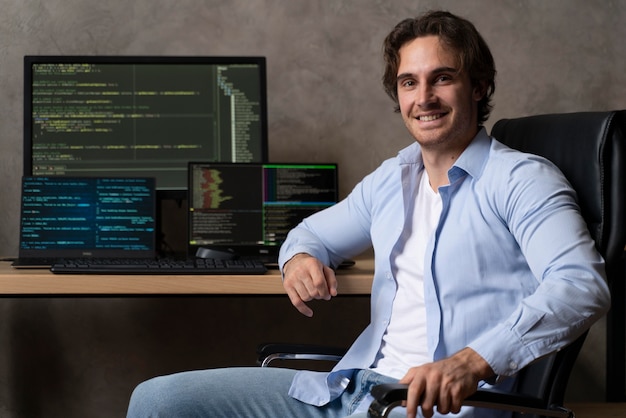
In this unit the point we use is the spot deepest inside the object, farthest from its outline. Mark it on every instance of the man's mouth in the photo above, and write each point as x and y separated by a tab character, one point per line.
429	118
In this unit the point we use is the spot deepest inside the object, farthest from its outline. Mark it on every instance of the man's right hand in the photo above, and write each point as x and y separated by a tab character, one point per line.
305	279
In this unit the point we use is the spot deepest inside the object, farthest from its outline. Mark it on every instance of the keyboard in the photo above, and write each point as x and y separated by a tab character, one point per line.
200	266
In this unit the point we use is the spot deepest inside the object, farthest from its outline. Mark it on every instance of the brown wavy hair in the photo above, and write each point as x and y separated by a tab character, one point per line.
458	34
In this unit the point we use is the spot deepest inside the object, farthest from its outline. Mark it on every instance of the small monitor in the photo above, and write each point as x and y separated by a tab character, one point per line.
249	208
144	116
87	217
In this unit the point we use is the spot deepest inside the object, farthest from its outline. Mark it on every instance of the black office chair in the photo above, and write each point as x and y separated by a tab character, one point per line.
590	149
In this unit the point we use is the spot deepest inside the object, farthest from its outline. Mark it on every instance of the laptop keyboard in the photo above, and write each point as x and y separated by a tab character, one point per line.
200	266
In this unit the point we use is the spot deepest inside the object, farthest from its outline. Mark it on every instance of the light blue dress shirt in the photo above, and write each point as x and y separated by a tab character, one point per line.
511	270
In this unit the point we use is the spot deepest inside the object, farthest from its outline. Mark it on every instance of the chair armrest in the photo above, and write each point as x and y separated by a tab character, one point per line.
273	351
389	396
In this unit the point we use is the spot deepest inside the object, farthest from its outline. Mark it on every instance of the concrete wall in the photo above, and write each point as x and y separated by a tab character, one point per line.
325	104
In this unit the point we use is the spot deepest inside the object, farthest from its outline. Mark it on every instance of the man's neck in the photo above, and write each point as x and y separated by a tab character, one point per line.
437	165
438	161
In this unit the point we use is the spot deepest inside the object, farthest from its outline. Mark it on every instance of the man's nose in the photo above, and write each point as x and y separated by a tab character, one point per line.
425	95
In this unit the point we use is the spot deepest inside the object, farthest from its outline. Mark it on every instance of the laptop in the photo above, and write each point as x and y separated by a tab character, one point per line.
247	209
85	217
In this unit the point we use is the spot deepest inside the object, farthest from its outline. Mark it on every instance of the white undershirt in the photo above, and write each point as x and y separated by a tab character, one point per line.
404	344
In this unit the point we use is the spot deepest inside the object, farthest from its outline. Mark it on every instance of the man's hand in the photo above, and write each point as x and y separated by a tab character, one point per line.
305	279
445	383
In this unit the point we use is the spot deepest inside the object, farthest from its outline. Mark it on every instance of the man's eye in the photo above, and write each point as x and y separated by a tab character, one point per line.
408	83
443	78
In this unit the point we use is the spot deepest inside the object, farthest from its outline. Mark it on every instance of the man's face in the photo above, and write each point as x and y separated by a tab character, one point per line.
438	103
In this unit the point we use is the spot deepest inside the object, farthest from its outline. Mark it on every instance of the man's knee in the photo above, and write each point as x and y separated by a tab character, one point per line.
150	399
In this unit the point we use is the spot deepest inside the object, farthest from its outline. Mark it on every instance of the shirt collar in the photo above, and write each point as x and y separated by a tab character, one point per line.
472	161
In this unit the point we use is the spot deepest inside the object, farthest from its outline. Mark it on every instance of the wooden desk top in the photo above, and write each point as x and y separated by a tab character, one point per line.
356	280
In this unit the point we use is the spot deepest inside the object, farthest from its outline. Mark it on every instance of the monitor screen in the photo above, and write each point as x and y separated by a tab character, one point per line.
87	216
250	208
142	116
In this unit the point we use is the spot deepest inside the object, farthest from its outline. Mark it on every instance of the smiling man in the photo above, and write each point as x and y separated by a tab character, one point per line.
482	261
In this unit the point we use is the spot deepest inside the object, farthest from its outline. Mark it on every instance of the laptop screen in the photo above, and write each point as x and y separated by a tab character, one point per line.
87	217
249	208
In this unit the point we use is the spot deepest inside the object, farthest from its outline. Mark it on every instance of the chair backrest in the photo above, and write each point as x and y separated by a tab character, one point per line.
589	148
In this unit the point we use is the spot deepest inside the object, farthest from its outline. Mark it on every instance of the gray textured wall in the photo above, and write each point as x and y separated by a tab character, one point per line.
325	104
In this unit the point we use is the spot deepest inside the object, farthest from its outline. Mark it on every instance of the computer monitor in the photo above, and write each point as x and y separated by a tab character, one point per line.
68	217
144	116
248	208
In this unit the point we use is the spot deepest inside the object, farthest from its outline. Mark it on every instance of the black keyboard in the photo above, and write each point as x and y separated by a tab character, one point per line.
200	266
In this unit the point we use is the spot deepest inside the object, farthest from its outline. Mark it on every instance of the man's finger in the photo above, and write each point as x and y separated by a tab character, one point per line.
331	281
299	304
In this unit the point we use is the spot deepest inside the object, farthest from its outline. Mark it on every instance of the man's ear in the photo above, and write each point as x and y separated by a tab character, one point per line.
480	89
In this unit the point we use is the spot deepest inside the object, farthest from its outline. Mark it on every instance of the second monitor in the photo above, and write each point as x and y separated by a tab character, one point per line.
248	208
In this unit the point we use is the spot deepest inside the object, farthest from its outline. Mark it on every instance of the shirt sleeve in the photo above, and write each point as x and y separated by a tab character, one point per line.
541	212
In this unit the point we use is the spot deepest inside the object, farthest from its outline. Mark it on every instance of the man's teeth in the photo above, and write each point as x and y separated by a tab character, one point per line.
429	118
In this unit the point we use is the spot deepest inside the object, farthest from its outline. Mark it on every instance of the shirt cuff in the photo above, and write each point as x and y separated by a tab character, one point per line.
504	351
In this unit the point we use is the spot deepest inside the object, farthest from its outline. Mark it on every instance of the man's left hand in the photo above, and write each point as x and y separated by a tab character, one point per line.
445	383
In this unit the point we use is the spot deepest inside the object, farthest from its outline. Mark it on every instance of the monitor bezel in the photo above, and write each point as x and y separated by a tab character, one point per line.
162	193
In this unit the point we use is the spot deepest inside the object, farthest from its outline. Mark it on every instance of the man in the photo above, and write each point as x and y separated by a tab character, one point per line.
482	261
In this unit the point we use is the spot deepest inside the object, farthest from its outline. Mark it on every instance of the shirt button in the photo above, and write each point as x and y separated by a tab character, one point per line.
513	365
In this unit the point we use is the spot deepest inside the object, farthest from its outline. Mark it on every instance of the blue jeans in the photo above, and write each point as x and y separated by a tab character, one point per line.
245	392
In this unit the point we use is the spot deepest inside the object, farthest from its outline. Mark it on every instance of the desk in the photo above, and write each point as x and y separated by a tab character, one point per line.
356	280
76	345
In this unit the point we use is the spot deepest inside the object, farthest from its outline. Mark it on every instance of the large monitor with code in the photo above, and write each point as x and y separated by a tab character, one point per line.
144	116
250	208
